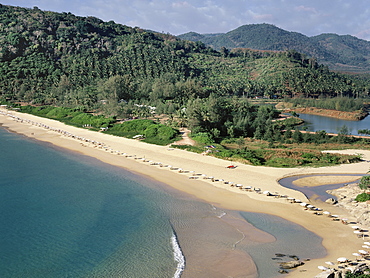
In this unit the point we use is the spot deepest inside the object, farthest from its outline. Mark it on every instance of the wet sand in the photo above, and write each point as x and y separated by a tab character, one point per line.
338	239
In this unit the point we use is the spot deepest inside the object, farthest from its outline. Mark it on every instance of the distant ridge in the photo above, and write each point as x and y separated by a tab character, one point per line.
339	52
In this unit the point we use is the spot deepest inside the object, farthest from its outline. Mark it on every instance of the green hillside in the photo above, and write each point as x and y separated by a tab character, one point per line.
63	59
91	73
346	53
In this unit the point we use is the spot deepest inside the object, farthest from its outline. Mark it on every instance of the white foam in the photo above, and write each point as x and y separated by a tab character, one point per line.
178	256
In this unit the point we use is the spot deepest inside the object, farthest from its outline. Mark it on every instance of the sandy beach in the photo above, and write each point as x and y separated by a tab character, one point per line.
191	173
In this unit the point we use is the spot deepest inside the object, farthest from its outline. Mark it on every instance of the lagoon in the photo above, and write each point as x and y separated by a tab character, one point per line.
332	125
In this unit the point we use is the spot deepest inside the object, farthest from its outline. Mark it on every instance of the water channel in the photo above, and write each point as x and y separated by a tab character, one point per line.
316	191
330	125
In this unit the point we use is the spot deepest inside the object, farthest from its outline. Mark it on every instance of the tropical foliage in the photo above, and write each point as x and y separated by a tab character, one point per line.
66	60
91	73
346	53
339	103
147	130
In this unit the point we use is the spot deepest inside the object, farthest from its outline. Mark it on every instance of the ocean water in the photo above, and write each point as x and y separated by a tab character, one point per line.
68	215
64	215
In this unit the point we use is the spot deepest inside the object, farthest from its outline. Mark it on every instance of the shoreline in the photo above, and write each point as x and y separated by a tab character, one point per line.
342	115
217	193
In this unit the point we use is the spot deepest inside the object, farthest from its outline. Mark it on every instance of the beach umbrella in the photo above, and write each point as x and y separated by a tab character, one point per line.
356	227
310	206
342	259
266	192
326	213
334	216
363	252
297	201
303	204
351	269
239	185
356	255
365	246
330	263
367	243
322	267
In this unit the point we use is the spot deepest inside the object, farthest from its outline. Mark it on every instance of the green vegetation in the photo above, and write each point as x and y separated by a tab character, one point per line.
363	197
259	152
66	60
338	103
346	53
364	182
364	131
147	130
151	131
90	73
357	275
70	116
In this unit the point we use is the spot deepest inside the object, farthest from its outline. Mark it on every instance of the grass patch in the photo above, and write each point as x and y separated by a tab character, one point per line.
150	131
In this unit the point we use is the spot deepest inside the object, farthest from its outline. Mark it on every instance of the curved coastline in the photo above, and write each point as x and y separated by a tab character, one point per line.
316	185
217	193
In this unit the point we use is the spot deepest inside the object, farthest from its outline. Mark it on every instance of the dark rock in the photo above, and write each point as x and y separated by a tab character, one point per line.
294	257
279	255
282	271
331	201
291	264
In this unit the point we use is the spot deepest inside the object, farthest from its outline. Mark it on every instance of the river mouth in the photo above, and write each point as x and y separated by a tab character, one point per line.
317	185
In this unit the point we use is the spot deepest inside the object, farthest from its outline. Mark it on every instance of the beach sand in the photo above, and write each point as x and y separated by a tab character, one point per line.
338	239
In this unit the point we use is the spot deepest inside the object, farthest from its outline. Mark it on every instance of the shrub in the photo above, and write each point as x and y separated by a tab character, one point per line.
153	132
203	138
58	113
363	197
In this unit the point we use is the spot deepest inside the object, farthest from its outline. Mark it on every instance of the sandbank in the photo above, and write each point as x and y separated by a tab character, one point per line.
323	180
142	158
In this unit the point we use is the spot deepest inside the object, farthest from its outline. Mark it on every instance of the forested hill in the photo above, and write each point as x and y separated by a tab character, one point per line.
66	60
346	53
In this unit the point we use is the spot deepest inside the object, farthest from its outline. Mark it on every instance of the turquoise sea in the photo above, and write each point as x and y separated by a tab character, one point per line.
68	215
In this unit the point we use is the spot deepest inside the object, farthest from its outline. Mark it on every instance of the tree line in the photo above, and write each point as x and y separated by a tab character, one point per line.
67	60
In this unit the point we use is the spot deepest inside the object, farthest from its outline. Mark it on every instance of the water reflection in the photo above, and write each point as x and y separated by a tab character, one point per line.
332	125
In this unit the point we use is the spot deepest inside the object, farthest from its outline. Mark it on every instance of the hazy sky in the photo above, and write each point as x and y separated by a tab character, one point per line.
310	17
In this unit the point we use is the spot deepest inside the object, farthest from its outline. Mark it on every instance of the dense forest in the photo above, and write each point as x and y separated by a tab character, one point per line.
91	73
339	52
62	59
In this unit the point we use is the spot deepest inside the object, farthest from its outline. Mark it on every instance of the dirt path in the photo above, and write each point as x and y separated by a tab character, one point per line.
185	138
